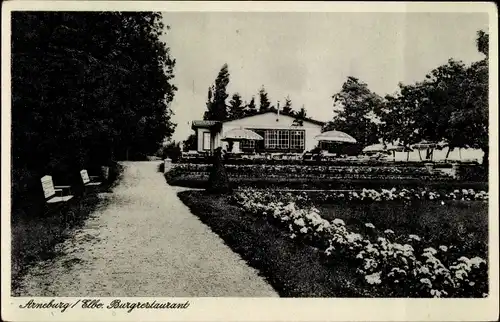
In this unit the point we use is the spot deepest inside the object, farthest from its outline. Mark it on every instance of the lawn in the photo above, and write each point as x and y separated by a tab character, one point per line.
294	270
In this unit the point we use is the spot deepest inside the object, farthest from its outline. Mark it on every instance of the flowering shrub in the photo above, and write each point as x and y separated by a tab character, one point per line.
402	194
396	265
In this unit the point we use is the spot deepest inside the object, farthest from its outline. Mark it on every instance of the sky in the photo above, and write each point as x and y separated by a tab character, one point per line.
308	56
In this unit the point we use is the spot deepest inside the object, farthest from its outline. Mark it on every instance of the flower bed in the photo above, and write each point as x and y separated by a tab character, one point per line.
402	194
395	265
313	172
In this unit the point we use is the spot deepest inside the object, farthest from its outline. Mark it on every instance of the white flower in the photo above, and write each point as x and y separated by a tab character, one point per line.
414	237
303	230
389	231
426	282
353	237
437	293
300	222
369	225
338	221
373	278
292	236
476	261
443	248
430	250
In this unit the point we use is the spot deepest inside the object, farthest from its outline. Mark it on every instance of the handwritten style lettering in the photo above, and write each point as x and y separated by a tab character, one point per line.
31	304
118	304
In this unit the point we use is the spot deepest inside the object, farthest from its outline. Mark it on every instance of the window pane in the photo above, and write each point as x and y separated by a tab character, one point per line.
206	140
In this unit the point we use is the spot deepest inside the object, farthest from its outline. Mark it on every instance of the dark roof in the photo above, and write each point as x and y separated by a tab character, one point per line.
204	123
209	123
281	113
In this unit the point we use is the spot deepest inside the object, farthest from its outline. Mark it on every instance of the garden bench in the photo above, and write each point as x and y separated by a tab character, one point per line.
105	172
50	191
87	180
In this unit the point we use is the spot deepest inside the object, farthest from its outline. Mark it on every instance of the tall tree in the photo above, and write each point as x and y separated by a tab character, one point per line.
209	104
450	105
354	106
103	85
264	103
251	109
217	109
469	120
300	117
287	108
236	107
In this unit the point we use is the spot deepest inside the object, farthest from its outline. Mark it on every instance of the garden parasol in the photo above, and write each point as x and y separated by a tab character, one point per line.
335	136
426	145
397	148
240	134
379	147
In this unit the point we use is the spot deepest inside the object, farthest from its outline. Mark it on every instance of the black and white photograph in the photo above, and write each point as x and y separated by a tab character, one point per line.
175	155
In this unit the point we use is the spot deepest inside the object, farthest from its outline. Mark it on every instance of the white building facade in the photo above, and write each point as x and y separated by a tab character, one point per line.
281	133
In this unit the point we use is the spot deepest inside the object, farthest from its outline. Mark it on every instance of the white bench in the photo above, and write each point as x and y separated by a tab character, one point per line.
86	179
49	191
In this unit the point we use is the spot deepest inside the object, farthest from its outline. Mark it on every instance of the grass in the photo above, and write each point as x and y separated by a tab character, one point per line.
33	238
294	270
462	223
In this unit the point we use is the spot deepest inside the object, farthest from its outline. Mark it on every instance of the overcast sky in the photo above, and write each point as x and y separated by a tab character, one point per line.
308	56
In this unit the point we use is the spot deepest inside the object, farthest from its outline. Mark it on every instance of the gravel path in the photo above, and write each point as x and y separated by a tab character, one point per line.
144	241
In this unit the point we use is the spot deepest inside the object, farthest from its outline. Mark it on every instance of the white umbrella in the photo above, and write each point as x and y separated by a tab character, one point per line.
423	145
426	145
335	136
398	148
379	147
237	135
241	134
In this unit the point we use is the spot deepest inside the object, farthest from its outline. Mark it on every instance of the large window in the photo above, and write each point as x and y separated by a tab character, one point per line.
297	140
276	141
206	140
271	139
284	140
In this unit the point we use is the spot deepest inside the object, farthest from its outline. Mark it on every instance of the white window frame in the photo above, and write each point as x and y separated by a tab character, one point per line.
205	135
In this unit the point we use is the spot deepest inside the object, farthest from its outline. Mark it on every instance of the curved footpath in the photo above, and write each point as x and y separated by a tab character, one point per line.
144	242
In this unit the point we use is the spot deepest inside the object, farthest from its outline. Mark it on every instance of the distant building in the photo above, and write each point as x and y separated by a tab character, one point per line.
281	133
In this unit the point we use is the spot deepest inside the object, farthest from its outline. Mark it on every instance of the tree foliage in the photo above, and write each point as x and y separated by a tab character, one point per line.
450	105
264	103
251	108
288	108
216	104
87	86
355	106
236	107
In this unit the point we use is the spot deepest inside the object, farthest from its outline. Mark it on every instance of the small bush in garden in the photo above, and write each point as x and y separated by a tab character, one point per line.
218	181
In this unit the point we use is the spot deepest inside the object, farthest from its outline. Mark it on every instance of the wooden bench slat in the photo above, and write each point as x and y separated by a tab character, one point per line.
59	199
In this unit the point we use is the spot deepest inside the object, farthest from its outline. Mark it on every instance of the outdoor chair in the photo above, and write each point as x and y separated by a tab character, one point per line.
89	181
54	194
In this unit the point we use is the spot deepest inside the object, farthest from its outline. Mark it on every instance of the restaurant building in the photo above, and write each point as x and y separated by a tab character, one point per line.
281	133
